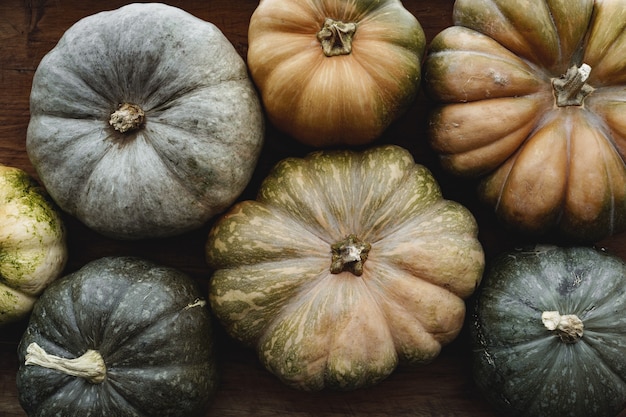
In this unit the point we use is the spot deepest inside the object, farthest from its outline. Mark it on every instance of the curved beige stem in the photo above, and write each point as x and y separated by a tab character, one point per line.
90	365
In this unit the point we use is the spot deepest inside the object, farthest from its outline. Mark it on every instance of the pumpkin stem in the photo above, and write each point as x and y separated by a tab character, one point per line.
570	89
349	255
127	117
569	328
336	37
89	365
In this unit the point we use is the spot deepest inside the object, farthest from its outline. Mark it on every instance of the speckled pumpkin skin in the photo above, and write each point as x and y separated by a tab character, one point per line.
144	320
523	369
273	289
33	249
197	148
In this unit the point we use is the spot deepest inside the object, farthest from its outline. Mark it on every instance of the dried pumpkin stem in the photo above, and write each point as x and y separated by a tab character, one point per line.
349	255
89	365
336	36
127	117
571	88
569	328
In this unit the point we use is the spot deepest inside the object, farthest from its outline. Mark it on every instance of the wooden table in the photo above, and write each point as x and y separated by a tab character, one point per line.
29	29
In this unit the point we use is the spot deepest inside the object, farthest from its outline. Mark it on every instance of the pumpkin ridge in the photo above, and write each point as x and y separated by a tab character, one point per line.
418	314
606	210
165	102
503	81
532	390
320	231
599	358
307	305
89	342
379	75
555	372
129	338
69	317
63	395
222	241
83	74
168	163
300	176
611	184
381	210
111	389
514	39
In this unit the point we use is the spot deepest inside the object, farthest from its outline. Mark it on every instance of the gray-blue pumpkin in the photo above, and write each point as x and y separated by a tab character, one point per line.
144	122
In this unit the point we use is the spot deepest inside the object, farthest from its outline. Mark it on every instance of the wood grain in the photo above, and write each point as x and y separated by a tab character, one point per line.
30	28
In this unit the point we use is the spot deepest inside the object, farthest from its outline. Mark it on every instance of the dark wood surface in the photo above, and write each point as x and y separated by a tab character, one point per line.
30	28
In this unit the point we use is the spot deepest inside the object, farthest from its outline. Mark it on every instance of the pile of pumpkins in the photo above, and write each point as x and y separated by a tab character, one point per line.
350	261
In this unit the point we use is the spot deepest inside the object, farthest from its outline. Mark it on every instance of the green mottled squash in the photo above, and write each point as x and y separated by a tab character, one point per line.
33	249
347	264
548	333
532	98
120	337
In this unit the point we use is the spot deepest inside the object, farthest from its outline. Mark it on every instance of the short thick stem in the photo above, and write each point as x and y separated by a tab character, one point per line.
127	117
89	365
349	255
571	88
569	328
336	37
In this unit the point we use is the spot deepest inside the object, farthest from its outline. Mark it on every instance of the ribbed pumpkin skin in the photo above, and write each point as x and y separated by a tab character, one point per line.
520	366
200	139
273	289
331	100
148	325
545	167
33	249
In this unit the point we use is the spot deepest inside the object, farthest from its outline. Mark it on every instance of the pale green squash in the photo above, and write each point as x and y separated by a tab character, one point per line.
33	249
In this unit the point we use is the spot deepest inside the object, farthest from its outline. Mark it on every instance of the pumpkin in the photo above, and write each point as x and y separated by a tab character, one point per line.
144	122
122	336
531	98
335	72
33	251
549	333
346	265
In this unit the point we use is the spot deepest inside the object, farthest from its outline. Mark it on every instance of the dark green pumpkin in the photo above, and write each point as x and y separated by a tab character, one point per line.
526	369
146	326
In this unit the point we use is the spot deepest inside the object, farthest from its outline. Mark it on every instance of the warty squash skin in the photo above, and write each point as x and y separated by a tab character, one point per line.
335	72
345	265
144	122
532	99
33	249
120	337
548	333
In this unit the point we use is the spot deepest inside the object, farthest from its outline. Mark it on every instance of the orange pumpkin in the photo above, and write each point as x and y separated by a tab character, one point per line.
533	98
335	72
